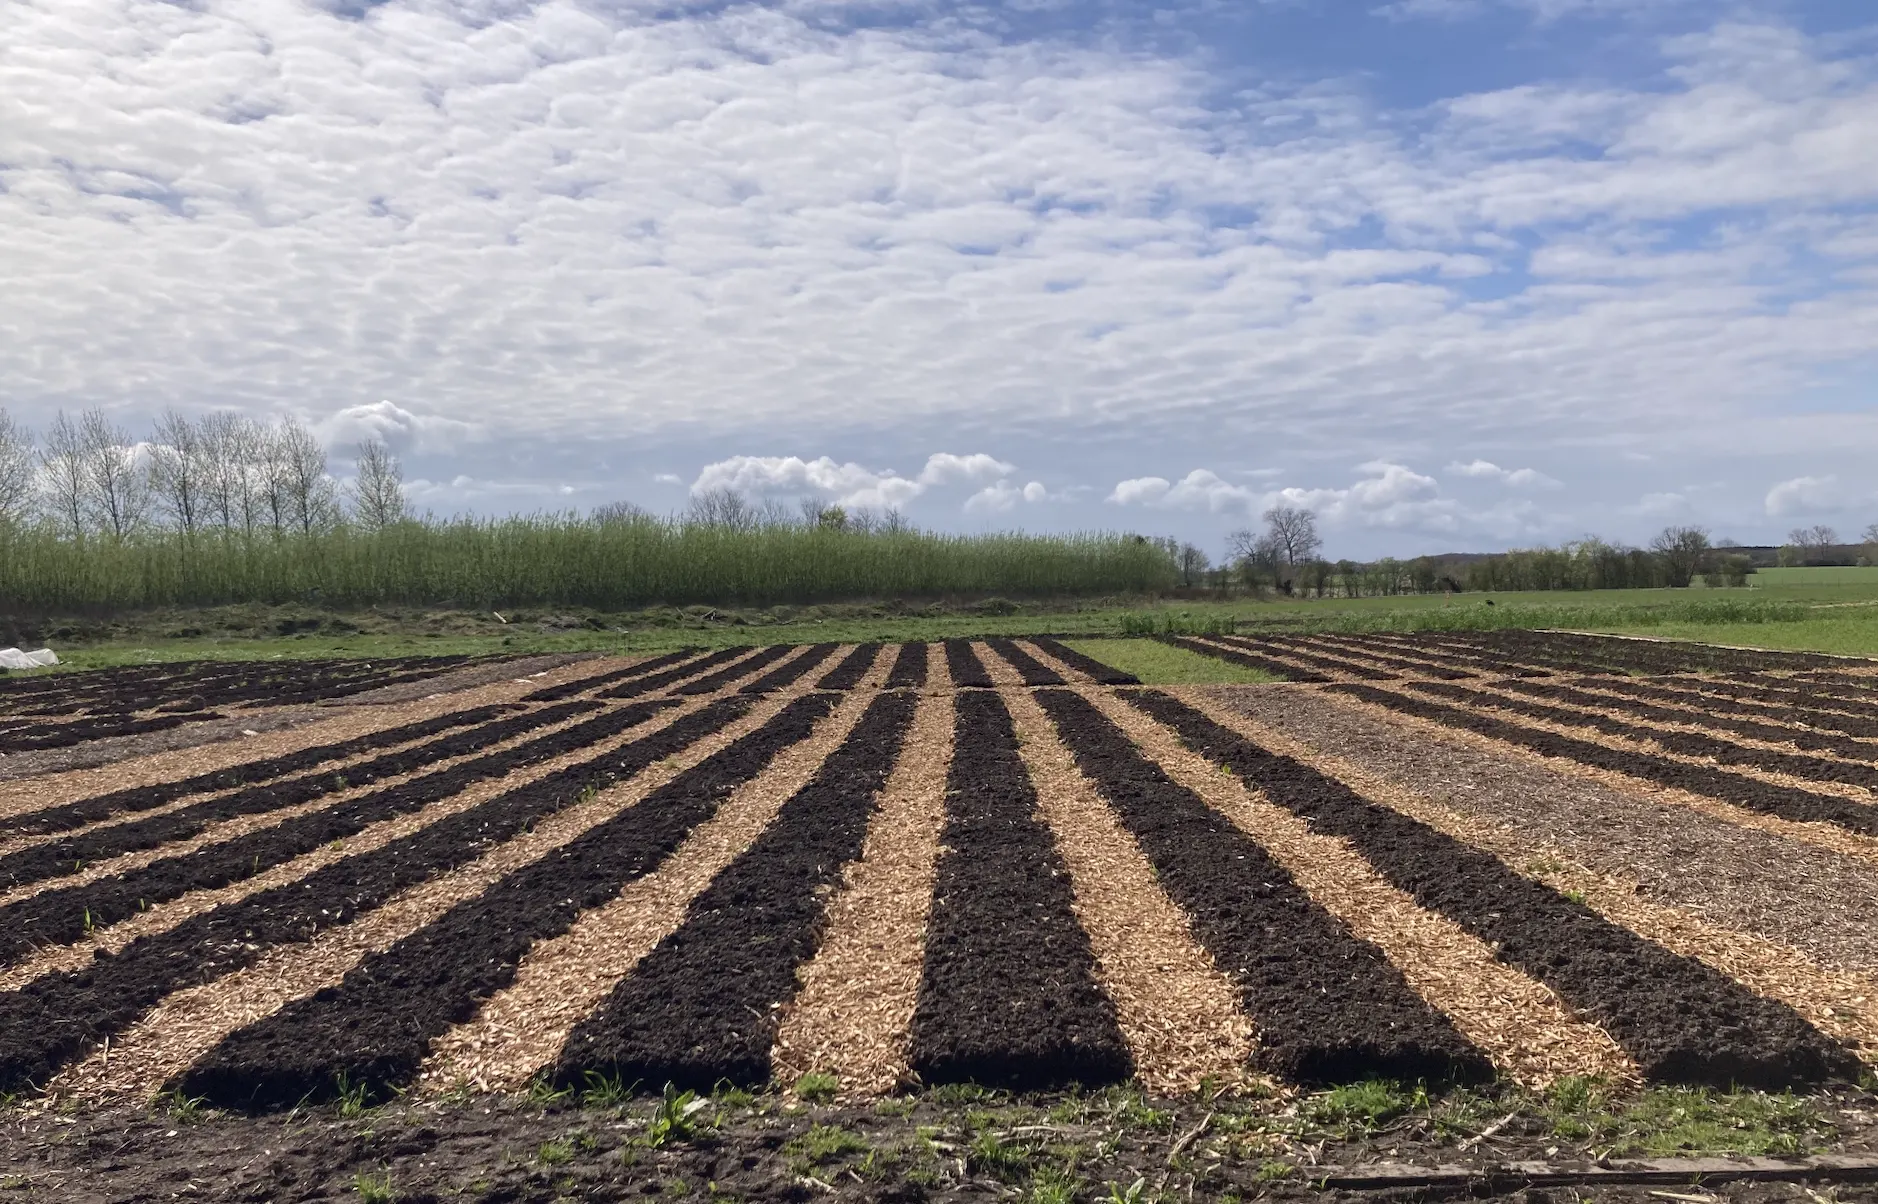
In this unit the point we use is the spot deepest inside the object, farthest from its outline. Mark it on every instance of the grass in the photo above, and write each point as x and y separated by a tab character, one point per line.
1158	664
1797	612
1676	1121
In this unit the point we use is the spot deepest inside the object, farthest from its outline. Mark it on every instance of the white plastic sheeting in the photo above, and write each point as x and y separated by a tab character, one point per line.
13	658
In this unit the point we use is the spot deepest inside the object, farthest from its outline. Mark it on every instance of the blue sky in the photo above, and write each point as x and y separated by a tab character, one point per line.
1457	274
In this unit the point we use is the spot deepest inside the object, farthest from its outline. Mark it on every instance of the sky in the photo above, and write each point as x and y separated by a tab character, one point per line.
1454	274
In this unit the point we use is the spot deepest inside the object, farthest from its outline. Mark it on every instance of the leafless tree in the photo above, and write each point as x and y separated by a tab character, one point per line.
619	514
724	508
378	490
179	471
231	455
1681	550
313	497
66	482
1814	540
1294	530
117	486
18	466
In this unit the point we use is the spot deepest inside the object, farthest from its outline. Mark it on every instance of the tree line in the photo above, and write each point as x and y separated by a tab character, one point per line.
1284	557
223	474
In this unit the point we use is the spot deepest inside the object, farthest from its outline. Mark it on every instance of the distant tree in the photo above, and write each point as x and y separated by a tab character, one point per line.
312	495
619	514
1317	576
1814	543
377	492
1193	564
1350	578
117	488
63	475
18	468
724	508
232	454
1681	551
179	471
1294	532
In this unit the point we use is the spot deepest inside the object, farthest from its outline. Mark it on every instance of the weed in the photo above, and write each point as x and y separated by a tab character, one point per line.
896	1105
355	1099
961	1093
374	1189
601	1091
823	1144
184	1108
676	1120
1272	1170
1359	1106
817	1087
543	1091
1003	1160
1134	1193
1054	1185
728	1095
1576	896
554	1153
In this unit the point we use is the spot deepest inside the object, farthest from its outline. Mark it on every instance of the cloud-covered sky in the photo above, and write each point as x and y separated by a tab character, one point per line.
1454	273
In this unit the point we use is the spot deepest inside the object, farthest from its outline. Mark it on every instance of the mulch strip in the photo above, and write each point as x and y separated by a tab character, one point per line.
703	1006
1328	1006
1679	1019
1009	993
1283	670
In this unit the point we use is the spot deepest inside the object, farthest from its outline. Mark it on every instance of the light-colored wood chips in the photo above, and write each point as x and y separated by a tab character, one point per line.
1179	1012
190	1022
1526	1030
854	1013
521	1028
1839	1002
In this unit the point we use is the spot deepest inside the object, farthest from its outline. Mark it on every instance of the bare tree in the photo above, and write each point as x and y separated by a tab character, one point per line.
312	497
17	469
117	486
231	453
724	508
1294	530
179	471
67	484
619	514
378	490
1681	551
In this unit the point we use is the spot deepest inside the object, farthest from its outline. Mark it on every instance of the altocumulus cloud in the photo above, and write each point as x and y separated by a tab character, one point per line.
587	220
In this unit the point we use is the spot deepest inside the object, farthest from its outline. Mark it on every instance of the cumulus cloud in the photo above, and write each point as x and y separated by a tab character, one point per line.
1003	496
846	484
404	431
1519	478
1806	495
1385	495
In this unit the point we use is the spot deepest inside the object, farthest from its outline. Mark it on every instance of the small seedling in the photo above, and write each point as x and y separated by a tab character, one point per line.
554	1153
355	1099
374	1189
675	1121
817	1087
543	1091
1134	1193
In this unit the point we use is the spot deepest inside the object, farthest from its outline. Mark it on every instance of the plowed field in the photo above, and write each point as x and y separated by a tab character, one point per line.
1515	856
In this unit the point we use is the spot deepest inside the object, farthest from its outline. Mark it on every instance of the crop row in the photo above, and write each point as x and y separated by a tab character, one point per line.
1012	988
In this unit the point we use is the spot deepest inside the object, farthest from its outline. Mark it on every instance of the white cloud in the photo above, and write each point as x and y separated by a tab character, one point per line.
668	478
1667	504
603	222
1201	489
847	484
1806	495
404	431
1519	478
1002	496
1385	495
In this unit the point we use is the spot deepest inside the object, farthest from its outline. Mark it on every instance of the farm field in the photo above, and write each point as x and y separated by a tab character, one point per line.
984	917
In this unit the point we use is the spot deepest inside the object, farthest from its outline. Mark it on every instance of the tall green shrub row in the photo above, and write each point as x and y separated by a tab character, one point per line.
551	560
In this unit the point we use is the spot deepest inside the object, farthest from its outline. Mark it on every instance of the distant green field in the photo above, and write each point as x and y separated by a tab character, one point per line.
1824	610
